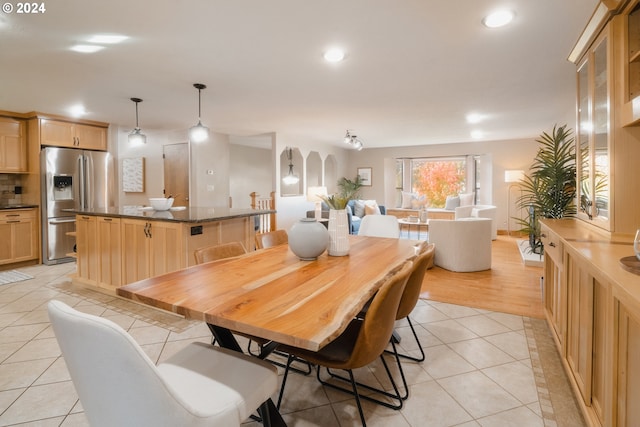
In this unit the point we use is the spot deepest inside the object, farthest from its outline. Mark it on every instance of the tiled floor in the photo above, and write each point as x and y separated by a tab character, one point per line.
482	369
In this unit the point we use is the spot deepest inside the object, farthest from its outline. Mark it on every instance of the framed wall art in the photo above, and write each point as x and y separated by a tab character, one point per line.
365	174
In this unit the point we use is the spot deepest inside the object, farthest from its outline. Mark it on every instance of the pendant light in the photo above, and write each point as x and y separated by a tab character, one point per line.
136	136
199	132
290	179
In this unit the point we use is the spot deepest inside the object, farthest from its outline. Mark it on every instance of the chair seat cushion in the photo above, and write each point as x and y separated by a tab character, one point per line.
221	376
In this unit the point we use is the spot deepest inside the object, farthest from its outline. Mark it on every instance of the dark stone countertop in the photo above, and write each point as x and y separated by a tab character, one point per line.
190	215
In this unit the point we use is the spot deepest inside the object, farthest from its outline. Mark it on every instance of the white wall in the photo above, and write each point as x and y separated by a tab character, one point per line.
505	155
251	170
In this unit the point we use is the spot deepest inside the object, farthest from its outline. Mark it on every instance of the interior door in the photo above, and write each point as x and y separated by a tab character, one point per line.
176	173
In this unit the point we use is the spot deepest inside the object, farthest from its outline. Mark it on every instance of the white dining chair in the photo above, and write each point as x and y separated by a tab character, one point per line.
379	226
119	385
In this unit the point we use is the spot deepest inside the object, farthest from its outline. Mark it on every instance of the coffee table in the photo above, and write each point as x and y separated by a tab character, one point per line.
405	224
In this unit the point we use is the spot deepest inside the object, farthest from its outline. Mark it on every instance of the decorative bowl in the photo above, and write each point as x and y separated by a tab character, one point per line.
161	203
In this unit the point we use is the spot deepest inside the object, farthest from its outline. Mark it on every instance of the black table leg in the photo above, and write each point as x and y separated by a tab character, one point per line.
226	340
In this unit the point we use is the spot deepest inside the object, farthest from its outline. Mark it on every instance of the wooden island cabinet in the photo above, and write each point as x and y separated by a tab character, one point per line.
118	246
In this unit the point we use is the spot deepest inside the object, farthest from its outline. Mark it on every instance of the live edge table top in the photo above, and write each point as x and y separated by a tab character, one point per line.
272	294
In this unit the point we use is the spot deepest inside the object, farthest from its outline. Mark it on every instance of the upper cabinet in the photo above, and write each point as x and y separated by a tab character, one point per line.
13	146
593	136
73	135
608	117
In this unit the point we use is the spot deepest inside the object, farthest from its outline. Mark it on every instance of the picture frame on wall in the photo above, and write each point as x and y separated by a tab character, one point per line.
365	175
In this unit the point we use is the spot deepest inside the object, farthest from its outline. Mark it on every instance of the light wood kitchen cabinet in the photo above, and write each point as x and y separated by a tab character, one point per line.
150	248
628	384
109	252
585	350
19	229
555	291
87	248
13	146
72	135
593	138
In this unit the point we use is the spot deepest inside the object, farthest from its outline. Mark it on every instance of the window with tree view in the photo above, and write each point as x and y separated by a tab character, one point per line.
436	178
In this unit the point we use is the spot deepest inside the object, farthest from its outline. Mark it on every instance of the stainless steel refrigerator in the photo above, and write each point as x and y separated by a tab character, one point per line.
71	178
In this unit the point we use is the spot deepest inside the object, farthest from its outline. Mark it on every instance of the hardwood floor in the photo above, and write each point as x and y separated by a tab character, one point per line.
509	287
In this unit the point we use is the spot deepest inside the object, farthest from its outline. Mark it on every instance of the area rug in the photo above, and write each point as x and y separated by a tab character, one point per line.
13	276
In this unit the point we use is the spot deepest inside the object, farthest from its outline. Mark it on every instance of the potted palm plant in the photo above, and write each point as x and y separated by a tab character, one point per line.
549	190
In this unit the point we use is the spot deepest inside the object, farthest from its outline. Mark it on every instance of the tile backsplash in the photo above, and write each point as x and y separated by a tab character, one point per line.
8	184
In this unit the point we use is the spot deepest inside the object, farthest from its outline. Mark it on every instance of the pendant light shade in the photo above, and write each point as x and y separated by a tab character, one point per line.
136	136
290	178
199	132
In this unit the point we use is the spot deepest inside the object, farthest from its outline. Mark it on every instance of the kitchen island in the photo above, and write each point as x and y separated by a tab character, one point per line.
121	245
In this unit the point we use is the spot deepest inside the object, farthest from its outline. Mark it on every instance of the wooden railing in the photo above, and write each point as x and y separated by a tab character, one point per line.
266	222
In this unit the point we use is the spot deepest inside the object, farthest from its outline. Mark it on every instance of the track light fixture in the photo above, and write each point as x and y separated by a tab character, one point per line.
199	132
290	179
136	136
353	141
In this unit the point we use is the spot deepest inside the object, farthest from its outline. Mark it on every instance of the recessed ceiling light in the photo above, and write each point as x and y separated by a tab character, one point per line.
474	118
499	18
334	55
86	48
107	38
77	110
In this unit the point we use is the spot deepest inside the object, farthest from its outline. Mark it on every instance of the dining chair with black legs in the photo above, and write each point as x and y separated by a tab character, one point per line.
362	342
119	385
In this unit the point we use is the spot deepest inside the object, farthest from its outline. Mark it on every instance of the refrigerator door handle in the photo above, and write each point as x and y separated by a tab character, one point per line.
62	221
82	183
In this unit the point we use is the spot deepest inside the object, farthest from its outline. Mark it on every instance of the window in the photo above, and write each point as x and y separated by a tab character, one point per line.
434	178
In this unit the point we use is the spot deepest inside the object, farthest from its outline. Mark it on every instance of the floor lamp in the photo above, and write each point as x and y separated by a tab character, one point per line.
513	178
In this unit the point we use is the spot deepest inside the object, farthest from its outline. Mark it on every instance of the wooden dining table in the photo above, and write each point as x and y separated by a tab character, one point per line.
273	295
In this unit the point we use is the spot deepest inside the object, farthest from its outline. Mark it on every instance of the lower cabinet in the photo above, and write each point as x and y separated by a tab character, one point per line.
109	252
150	248
628	378
87	248
19	231
587	316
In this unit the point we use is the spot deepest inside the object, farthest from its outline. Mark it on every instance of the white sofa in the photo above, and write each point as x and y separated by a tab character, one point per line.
480	211
461	245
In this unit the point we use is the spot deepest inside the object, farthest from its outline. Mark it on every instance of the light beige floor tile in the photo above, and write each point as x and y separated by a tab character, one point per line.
7	397
480	353
518	417
198	330
122	320
22	374
482	325
153	351
75	420
375	415
408	341
312	417
430	405
57	372
7	349
468	424
512	343
149	335
511	321
517	379
21	333
40	402
36	349
449	331
444	362
9	318
478	394
301	392
426	314
453	311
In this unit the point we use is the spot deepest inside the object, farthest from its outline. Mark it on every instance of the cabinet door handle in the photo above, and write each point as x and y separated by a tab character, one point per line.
8	215
13	221
543	235
108	219
149	230
146	229
553	245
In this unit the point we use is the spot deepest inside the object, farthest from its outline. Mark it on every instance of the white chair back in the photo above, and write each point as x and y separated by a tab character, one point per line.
461	245
379	226
116	381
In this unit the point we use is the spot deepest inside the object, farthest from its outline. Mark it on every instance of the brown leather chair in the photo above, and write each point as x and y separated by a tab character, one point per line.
272	238
363	341
213	253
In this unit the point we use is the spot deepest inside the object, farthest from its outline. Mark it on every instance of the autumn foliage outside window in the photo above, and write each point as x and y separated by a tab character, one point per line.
435	179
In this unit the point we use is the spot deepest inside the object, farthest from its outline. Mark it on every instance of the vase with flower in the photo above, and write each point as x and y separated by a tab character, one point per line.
338	225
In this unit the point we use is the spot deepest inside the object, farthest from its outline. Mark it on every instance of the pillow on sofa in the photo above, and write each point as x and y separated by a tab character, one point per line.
371	208
466	199
358	208
452	202
407	199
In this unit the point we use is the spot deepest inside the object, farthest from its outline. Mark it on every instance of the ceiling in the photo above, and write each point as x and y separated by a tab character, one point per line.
413	68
